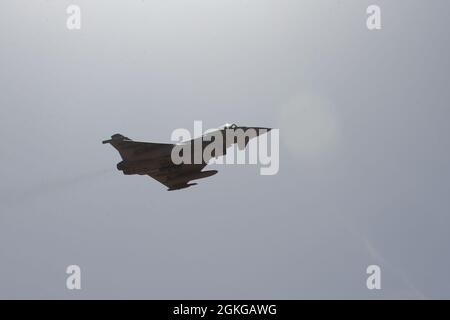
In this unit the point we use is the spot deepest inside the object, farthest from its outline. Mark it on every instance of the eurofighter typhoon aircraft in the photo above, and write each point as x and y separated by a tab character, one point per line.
156	161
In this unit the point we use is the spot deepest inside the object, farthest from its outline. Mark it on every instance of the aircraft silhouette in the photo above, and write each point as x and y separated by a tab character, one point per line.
155	159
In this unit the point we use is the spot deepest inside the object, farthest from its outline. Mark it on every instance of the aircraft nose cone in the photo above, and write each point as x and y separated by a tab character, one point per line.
259	130
262	130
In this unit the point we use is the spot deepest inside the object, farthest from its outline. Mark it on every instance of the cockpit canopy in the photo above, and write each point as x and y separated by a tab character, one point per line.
229	126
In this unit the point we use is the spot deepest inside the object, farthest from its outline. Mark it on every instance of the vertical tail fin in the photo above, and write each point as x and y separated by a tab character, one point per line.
116	138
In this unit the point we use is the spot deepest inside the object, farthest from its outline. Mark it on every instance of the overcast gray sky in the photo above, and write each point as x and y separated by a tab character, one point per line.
364	158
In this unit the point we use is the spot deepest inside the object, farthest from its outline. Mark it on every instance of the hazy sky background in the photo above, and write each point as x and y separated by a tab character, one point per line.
364	160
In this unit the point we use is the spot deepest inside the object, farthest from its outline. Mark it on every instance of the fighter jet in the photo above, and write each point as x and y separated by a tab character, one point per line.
155	159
